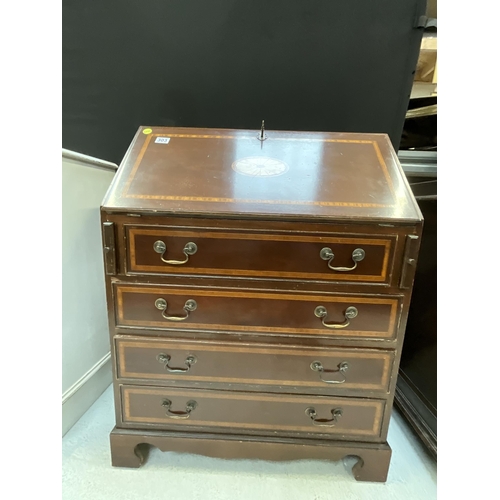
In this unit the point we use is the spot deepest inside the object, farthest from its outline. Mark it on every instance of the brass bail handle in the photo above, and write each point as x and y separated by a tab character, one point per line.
165	359
357	256
190	406
189	249
350	313
324	422
316	366
189	307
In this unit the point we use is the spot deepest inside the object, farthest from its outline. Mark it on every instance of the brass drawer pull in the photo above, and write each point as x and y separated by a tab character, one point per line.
357	256
189	249
165	358
316	366
350	313
189	306
190	406
323	422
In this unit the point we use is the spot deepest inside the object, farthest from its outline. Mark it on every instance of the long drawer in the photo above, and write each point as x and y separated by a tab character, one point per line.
331	257
239	412
292	369
333	315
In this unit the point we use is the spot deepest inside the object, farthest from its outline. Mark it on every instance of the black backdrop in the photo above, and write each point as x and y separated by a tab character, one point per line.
324	65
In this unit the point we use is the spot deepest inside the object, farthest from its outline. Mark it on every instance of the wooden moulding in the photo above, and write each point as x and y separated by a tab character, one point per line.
129	448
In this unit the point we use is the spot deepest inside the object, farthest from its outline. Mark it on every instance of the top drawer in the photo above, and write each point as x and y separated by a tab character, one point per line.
355	258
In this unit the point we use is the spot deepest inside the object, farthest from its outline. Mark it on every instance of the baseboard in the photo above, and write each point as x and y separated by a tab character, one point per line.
417	413
84	392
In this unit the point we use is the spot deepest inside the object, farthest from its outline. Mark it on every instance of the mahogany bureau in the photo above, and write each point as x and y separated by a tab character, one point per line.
258	289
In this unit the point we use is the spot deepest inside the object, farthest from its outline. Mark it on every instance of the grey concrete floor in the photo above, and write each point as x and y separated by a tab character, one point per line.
87	471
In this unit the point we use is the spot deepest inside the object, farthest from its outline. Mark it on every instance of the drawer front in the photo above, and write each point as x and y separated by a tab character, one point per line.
260	255
266	413
287	369
332	315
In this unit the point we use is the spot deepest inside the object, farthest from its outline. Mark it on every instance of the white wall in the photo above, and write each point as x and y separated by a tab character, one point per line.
86	365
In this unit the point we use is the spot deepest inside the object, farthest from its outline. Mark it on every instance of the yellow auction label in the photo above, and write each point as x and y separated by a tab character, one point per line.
147	131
